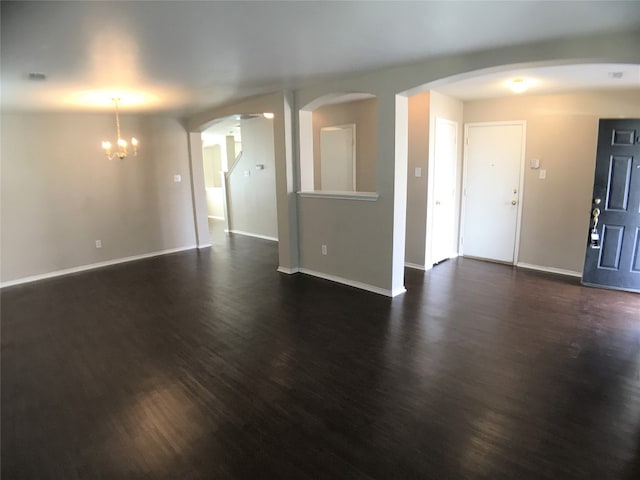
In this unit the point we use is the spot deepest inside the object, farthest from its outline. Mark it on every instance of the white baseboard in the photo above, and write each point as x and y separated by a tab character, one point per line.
204	245
353	283
215	217
255	235
541	268
92	266
414	265
288	271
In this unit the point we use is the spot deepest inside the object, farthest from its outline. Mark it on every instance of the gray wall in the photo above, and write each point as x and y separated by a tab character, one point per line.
252	199
363	114
60	194
562	133
418	157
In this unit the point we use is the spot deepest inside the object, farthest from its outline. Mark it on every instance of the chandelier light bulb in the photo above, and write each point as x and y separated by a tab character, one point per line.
122	144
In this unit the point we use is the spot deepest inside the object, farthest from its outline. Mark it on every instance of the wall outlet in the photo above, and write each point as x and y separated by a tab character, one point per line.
418	172
98	243
177	178
324	249
543	174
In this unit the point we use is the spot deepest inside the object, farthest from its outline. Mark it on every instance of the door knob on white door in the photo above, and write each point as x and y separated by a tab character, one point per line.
513	202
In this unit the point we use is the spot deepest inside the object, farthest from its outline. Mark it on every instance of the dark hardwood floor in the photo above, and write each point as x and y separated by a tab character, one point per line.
211	365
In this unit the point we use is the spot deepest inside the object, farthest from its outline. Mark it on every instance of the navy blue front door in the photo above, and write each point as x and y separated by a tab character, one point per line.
613	249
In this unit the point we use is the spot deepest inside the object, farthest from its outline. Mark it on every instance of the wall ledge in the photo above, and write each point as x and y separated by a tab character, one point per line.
362	196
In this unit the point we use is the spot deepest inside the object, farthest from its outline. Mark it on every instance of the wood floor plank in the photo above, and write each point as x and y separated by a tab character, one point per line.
210	364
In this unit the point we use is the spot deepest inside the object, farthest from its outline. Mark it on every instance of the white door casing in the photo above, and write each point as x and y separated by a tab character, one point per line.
492	192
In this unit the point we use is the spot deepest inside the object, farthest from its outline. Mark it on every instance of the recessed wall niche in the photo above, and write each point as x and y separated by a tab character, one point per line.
338	142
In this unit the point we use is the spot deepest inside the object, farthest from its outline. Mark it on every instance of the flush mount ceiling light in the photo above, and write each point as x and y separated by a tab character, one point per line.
519	85
122	145
268	115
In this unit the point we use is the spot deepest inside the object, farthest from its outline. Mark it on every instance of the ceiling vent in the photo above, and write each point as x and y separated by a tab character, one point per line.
37	77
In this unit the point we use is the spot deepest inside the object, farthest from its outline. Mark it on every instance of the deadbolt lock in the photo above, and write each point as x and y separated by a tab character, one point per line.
597	201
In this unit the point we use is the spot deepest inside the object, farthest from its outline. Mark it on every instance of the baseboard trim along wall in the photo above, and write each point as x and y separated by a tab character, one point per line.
353	283
92	266
541	268
288	271
214	217
414	265
255	235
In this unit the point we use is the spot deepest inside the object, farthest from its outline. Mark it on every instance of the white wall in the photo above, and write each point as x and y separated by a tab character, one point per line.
251	192
562	133
60	194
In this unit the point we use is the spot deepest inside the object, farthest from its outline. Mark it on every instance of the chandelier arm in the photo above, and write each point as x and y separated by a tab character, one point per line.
115	100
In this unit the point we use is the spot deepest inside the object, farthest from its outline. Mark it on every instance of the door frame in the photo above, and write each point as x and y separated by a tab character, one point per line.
431	169
465	161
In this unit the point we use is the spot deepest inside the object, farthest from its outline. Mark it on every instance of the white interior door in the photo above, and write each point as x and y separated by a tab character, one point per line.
444	181
337	158
493	164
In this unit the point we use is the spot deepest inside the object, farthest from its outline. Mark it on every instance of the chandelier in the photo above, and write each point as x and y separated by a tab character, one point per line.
121	144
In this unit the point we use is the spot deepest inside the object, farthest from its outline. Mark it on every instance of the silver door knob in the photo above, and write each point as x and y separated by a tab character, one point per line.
513	202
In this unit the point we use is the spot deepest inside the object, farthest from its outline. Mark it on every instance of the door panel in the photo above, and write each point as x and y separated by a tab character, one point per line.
619	182
444	178
614	261
493	157
337	158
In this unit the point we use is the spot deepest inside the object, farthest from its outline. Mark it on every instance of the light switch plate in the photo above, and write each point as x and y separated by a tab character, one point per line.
543	174
418	172
177	178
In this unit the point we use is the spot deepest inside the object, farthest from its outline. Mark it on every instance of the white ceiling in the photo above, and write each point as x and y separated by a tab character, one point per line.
545	80
186	56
